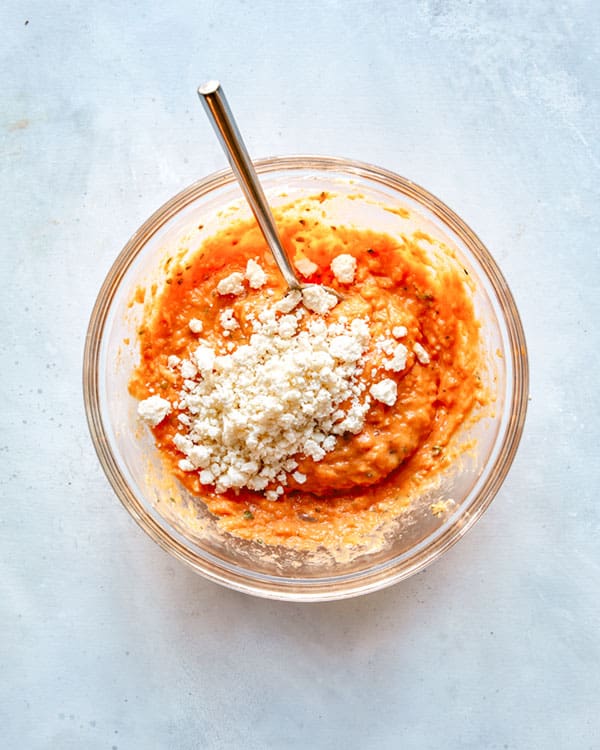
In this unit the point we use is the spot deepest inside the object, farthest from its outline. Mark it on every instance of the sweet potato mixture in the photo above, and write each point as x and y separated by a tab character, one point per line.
414	376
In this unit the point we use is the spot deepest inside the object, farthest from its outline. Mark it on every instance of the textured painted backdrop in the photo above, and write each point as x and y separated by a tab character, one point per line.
106	642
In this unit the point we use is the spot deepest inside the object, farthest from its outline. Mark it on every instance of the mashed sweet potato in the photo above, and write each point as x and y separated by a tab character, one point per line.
408	283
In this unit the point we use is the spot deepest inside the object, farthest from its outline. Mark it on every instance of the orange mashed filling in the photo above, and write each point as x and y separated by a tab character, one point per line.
368	477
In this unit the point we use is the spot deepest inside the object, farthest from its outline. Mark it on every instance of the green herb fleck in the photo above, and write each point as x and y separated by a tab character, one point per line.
248	515
436	450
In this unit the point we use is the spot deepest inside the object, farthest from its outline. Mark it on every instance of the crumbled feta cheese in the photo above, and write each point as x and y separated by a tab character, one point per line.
188	369
206	476
227	319
313	450
287	326
255	275
354	419
318	299
153	410
172	361
385	345
183	443
328	444
421	354
305	267
195	325
397	362
232	284
299	477
385	391
360	329
344	268
399	332
250	412
200	456
204	358
346	348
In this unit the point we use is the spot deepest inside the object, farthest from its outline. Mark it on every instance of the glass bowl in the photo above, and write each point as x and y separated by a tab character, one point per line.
184	527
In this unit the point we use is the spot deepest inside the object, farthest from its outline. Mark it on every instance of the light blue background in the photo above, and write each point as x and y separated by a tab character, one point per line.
105	641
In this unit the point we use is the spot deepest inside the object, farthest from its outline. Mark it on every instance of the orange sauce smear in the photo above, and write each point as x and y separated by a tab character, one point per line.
368	477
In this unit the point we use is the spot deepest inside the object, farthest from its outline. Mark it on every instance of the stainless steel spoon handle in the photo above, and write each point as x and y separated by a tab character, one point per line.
215	104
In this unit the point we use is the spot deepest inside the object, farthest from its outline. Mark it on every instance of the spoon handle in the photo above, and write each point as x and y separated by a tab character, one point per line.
215	104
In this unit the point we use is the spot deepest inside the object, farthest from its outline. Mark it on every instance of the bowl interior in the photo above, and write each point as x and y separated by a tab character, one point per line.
181	524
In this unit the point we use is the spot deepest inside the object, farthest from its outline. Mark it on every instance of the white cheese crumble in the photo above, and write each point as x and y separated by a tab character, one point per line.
421	354
195	325
399	332
227	320
346	348
359	328
188	369
204	359
154	409
397	361
284	394
318	299
232	284
344	268
255	275
385	391
287	326
305	267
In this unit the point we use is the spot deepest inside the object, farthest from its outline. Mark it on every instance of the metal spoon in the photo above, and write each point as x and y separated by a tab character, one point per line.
215	104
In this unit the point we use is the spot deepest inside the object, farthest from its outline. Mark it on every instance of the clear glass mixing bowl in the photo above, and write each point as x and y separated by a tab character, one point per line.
185	529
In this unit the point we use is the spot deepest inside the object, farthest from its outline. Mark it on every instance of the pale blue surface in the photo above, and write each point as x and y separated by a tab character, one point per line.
105	641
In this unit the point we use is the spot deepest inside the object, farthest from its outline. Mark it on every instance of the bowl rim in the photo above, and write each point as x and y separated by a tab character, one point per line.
331	587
